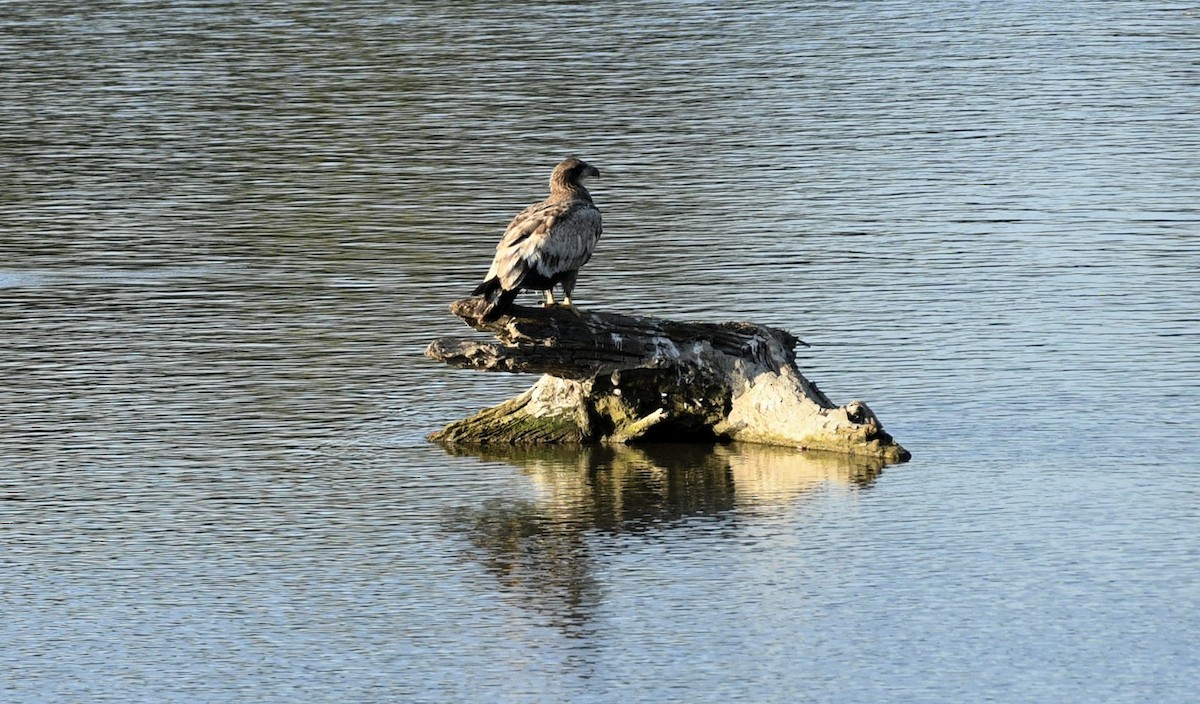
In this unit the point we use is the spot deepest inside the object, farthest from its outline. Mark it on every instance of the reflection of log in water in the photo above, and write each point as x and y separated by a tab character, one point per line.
539	549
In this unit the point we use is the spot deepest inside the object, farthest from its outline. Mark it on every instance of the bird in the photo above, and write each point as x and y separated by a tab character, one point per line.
546	243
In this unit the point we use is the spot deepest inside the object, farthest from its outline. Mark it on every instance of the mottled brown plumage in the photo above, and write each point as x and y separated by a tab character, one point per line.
545	244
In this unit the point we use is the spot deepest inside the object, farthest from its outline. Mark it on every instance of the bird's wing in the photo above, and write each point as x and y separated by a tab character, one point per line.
571	240
553	236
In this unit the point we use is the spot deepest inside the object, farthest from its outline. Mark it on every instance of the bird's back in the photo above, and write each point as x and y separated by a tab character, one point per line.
556	235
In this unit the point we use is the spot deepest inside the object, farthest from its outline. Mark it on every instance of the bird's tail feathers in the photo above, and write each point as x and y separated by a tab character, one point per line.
500	305
488	288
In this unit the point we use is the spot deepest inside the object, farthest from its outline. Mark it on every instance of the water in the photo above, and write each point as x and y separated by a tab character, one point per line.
227	231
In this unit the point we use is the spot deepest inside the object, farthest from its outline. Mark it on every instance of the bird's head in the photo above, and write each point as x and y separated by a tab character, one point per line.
573	170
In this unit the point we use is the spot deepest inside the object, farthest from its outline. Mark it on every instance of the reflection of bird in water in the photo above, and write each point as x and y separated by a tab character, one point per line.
545	244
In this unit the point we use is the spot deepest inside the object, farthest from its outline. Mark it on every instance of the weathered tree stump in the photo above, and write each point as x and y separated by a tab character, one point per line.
621	378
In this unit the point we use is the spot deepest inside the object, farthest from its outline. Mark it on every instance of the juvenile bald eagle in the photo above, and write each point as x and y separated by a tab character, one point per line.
546	243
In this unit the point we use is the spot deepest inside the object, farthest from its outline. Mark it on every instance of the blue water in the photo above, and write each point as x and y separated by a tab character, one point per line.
228	230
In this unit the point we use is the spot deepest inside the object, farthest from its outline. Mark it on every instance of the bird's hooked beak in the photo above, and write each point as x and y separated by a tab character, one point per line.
591	171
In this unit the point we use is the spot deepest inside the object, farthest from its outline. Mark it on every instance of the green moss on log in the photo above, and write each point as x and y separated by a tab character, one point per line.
518	421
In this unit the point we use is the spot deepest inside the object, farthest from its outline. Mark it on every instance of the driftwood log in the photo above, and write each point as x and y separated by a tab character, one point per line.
621	378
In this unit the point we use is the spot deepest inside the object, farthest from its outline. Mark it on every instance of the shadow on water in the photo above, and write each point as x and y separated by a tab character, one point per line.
542	550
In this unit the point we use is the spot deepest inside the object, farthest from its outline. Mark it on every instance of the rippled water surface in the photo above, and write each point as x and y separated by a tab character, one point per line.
228	230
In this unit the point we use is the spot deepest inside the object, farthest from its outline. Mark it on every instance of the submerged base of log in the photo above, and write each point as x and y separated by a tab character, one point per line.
618	378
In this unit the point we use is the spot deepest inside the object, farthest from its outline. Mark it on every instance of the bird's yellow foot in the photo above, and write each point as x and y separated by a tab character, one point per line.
571	309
